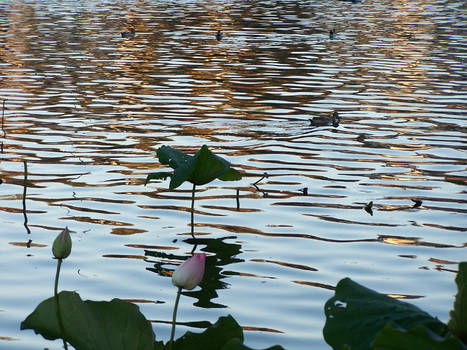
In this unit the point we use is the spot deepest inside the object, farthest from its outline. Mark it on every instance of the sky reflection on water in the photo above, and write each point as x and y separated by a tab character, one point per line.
87	110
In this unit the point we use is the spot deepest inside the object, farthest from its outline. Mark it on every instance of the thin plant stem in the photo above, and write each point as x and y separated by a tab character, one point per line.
193	211
59	316
174	317
57	275
265	175
3	119
25	186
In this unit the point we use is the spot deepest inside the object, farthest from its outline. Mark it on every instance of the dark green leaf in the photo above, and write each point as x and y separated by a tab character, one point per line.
162	175
230	175
92	325
213	338
207	167
418	337
181	163
458	323
172	157
236	344
356	314
199	169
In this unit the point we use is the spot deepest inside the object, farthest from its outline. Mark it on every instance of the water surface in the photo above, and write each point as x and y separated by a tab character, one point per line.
87	109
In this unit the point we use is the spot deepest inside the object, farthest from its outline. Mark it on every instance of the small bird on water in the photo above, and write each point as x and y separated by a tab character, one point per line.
130	34
219	35
334	120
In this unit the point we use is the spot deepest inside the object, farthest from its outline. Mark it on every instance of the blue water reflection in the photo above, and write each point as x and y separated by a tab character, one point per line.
87	108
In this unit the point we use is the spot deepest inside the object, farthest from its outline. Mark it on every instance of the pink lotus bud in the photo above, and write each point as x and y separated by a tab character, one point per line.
189	274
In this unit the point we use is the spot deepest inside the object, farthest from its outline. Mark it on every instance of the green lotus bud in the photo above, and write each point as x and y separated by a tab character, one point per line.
62	244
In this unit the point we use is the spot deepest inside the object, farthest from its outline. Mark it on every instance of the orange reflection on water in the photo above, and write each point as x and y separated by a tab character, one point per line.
28	244
405	296
399	240
294	266
124	256
261	329
316	284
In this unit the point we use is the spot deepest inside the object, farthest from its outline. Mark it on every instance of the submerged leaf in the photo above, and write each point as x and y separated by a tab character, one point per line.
91	325
356	314
458	323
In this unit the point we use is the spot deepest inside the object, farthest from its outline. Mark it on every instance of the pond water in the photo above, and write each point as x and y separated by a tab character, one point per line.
86	110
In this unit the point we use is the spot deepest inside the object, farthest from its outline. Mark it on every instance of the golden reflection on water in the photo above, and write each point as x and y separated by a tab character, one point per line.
87	109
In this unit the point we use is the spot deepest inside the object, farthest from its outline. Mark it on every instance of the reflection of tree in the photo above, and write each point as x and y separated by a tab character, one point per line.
223	254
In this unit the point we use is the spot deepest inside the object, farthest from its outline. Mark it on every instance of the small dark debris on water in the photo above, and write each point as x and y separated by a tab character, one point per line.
130	34
219	35
304	191
175	240
369	208
417	203
332	32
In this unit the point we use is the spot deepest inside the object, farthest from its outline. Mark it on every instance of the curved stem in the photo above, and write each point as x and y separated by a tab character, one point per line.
174	317
193	211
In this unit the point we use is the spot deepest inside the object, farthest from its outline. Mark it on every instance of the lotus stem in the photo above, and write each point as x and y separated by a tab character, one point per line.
25	186
193	211
59	316
3	119
174	317
57	275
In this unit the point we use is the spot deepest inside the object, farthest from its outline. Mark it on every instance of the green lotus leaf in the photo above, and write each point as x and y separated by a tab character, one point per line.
213	338
207	167
225	334
458	323
161	175
199	169
92	325
236	344
418	337
356	314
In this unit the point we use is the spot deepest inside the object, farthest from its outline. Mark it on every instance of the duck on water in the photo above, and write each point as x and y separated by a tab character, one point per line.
333	119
